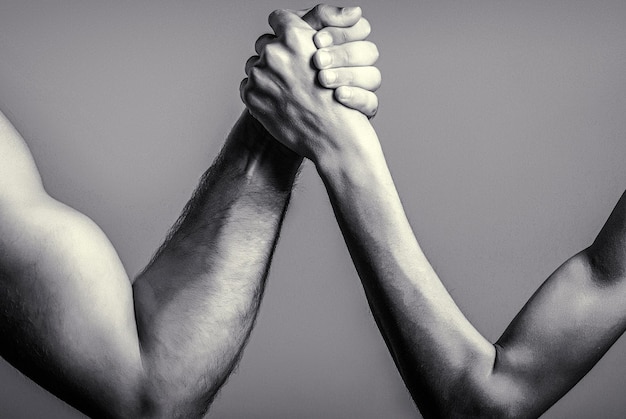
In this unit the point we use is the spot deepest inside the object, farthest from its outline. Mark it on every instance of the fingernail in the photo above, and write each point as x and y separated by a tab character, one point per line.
351	11
323	58
344	93
324	40
329	76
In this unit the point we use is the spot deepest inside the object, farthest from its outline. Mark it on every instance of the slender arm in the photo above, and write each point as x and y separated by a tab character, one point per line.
161	347
449	368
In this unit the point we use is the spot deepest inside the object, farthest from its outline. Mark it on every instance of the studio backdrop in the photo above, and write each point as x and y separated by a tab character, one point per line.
503	124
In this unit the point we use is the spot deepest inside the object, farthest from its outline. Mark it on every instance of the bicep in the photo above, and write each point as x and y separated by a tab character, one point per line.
67	315
561	333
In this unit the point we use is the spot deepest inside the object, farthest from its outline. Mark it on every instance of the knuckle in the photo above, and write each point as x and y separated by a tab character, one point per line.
250	62
277	18
342	35
253	75
325	13
346	55
244	92
346	77
320	10
276	14
297	39
260	42
329	15
272	16
275	57
270	50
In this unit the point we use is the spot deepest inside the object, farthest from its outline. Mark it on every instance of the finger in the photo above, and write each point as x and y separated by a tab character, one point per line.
281	19
368	78
324	15
337	36
250	63
262	41
352	54
242	89
359	99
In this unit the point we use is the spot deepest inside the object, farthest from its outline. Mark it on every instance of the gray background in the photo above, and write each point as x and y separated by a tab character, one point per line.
503	123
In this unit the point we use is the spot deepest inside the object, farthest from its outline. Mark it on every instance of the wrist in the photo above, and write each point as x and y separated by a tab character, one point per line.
352	154
262	158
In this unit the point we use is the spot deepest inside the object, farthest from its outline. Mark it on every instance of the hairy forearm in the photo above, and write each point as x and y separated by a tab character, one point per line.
197	300
159	348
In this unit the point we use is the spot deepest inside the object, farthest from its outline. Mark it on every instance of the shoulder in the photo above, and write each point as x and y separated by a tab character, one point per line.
19	177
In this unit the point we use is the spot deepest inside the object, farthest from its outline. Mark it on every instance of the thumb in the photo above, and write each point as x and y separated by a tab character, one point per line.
324	15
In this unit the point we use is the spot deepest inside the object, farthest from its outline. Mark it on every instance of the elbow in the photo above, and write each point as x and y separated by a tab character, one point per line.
153	399
169	404
481	390
484	401
148	407
477	402
492	402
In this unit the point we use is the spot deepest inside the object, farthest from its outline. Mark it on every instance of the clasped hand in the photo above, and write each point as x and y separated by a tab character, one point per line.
312	83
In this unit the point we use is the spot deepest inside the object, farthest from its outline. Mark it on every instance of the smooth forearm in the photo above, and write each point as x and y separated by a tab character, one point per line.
447	365
419	320
197	300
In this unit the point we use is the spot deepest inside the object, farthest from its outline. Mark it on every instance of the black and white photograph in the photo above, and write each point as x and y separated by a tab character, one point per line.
273	210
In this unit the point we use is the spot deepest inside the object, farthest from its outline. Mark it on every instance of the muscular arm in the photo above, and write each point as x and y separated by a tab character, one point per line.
163	346
197	300
69	309
449	368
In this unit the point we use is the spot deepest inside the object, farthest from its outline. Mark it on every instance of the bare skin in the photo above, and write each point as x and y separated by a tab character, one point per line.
162	345
449	368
